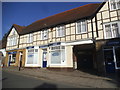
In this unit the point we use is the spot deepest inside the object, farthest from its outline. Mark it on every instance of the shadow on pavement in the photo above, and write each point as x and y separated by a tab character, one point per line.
46	85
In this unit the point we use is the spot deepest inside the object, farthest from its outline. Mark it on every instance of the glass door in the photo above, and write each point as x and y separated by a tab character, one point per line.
44	57
109	60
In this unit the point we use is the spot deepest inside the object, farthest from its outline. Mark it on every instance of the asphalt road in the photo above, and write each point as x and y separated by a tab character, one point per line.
13	80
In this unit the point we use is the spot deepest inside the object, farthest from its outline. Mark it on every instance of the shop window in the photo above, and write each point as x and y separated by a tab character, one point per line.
57	55
12	58
111	30
60	31
32	56
81	27
114	4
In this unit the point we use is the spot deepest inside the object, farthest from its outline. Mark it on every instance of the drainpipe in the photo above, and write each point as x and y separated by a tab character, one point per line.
94	43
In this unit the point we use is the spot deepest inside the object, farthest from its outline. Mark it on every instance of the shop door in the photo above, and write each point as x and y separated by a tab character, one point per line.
20	59
44	59
9	59
109	60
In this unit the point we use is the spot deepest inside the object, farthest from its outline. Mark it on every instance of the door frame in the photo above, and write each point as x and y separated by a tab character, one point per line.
44	51
114	56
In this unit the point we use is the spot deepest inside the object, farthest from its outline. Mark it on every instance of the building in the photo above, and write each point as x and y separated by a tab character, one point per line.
2	49
87	37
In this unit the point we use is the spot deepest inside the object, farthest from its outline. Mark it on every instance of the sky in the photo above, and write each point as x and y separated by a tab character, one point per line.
25	13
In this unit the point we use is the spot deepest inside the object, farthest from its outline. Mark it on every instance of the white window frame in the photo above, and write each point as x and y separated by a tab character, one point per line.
44	34
30	38
111	28
81	24
60	31
32	65
62	63
116	5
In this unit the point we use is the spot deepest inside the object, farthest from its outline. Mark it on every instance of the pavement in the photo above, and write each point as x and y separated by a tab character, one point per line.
12	80
76	78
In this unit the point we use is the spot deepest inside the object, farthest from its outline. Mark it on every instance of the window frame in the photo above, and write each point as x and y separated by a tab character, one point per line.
111	23
81	25
58	48
116	5
30	38
42	33
61	32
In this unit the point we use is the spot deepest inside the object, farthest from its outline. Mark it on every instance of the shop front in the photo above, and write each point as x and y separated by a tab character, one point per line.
44	55
12	58
57	55
111	52
32	56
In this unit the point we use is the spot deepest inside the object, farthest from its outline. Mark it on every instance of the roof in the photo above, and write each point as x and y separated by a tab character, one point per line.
18	28
72	15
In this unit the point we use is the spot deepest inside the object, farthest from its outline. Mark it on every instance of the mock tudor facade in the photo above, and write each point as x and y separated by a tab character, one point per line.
81	38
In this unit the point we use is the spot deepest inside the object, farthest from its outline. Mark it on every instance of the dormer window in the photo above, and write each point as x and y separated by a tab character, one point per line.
44	35
114	4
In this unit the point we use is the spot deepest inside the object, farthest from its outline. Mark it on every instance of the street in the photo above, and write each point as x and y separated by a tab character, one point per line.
13	80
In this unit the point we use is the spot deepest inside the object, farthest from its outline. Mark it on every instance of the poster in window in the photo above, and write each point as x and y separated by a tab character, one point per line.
55	57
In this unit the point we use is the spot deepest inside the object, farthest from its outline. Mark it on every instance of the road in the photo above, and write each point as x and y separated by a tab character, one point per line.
13	80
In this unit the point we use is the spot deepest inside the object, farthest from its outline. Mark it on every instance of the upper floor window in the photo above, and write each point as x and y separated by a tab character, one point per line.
60	31
111	30
30	38
81	27
114	4
44	34
12	40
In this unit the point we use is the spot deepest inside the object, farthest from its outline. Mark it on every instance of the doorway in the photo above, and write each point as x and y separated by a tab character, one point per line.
84	55
112	58
20	59
44	58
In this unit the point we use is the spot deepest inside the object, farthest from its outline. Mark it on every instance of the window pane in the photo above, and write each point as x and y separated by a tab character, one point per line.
30	56
118	4
78	27
115	30
56	57
113	4
83	26
108	31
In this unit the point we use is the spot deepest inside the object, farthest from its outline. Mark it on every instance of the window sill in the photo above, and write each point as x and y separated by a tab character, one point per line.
60	36
111	37
82	33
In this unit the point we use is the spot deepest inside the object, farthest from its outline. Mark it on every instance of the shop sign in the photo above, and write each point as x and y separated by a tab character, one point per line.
114	43
44	46
30	55
12	52
30	47
54	44
55	54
